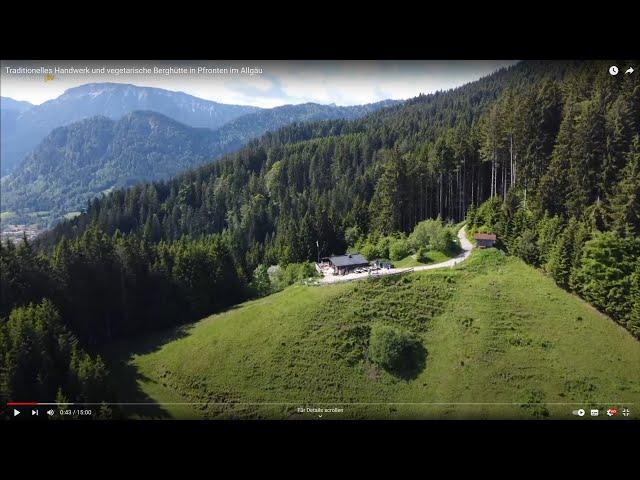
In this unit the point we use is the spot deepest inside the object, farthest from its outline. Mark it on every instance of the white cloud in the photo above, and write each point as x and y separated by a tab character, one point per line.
282	82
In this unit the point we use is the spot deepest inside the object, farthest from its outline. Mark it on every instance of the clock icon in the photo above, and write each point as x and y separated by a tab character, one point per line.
613	70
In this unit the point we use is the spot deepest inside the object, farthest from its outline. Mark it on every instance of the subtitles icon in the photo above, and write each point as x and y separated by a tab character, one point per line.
595	412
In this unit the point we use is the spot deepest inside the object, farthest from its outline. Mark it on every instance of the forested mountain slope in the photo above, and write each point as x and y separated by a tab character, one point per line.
75	163
382	173
237	133
80	161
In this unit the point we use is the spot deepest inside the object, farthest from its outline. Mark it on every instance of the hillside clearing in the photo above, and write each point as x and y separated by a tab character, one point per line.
502	341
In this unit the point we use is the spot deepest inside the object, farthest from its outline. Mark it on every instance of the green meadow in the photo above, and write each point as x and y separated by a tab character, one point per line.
500	340
434	256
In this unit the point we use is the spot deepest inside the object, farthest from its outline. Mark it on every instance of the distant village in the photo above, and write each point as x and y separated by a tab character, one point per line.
15	232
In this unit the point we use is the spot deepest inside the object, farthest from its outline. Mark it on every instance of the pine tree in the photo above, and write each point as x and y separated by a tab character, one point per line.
549	228
625	202
62	259
387	205
555	183
587	156
559	259
492	142
619	134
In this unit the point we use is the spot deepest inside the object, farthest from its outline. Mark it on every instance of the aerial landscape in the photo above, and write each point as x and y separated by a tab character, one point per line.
468	252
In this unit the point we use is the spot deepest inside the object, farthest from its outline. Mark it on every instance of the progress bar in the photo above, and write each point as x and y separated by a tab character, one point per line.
35	404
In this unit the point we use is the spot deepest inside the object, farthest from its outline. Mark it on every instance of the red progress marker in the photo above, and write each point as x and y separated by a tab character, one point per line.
22	404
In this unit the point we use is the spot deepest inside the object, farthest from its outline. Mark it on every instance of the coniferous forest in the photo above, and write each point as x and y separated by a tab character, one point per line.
546	155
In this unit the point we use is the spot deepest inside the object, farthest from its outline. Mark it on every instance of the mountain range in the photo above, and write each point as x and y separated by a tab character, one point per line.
23	131
76	162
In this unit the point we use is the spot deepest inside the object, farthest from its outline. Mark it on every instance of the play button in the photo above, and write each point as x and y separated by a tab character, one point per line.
16	412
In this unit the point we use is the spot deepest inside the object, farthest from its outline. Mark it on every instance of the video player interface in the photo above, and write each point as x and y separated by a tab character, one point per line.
320	240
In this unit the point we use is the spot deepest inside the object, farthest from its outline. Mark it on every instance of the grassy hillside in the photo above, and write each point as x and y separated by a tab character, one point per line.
494	330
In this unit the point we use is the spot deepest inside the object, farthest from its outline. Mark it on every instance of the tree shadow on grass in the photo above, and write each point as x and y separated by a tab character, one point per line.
131	399
125	379
413	363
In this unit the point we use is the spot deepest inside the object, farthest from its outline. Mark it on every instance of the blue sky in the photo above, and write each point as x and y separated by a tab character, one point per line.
281	82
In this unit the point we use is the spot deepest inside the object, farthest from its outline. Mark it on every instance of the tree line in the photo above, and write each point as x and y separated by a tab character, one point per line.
595	253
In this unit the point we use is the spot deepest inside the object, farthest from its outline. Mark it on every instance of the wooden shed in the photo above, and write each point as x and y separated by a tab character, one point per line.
485	240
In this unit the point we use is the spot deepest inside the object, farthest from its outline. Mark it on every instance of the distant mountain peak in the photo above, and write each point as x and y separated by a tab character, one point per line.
99	88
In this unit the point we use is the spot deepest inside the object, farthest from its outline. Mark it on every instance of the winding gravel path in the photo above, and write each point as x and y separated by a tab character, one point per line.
465	244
